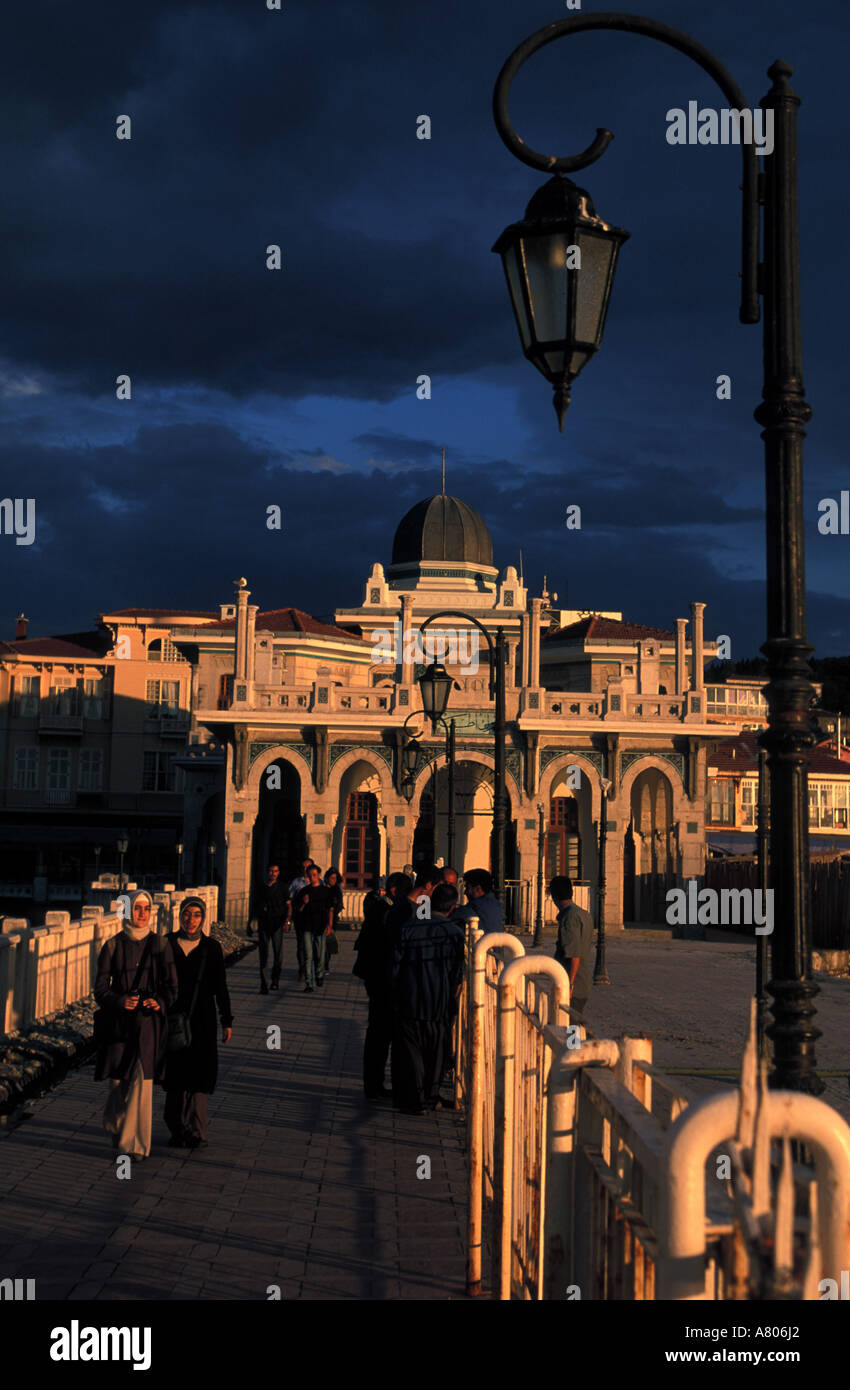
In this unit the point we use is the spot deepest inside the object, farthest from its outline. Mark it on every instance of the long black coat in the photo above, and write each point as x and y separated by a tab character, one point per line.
144	1031
195	1068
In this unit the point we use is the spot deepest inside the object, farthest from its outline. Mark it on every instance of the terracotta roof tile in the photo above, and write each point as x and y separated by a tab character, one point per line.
598	627
158	613
281	620
741	755
52	646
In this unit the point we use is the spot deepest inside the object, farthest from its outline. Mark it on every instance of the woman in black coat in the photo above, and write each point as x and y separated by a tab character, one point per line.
135	987
191	1073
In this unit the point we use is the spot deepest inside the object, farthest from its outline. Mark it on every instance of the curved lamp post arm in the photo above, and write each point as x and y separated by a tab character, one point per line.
683	43
468	618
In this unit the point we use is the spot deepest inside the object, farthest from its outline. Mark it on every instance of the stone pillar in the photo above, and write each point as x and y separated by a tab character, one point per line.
406	628
249	641
681	663
697	610
534	645
524	651
240	665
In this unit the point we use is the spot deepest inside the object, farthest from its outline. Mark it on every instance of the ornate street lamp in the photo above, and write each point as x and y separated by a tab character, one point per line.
435	683
783	414
121	846
179	848
559	264
600	970
212	861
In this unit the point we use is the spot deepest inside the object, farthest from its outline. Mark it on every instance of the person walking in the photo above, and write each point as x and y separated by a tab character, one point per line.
575	941
191	1072
427	971
334	883
135	987
275	911
481	901
374	947
294	889
313	914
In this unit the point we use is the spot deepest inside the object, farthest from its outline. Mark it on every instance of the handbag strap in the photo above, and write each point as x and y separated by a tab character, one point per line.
140	967
197	983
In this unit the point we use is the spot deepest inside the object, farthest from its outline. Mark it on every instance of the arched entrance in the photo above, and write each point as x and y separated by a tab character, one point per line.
279	836
473	793
649	859
357	847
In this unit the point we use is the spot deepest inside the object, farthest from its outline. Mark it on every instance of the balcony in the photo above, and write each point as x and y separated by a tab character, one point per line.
61	797
49	723
167	721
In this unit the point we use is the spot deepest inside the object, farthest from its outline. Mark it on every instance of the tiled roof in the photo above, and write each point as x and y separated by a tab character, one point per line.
741	755
282	620
51	646
600	628
158	613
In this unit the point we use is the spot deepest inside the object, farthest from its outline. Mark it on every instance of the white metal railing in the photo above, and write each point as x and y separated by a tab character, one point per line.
589	1172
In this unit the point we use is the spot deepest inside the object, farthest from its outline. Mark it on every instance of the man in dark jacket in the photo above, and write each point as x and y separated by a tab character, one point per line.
374	966
274	910
428	956
481	901
313	911
575	942
191	1073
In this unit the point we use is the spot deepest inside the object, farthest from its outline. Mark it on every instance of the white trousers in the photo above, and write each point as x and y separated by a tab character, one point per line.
128	1115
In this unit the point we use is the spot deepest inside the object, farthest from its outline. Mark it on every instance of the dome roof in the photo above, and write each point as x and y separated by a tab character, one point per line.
442	528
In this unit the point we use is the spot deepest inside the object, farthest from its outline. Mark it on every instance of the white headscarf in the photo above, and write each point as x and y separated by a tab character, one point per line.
128	925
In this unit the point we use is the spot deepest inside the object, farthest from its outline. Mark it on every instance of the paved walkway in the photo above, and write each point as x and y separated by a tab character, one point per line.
304	1185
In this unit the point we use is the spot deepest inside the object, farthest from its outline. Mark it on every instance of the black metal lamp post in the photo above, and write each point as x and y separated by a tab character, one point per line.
179	848
211	862
783	415
600	969
98	850
541	847
435	695
121	846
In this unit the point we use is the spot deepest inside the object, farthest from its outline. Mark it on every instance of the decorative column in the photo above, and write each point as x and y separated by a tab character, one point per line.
406	629
681	668
524	652
697	610
534	645
240	661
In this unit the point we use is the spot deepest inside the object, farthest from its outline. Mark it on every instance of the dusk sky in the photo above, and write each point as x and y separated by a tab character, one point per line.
297	387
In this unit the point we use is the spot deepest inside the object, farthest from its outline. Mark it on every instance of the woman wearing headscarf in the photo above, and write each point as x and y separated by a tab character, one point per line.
136	985
334	883
190	1074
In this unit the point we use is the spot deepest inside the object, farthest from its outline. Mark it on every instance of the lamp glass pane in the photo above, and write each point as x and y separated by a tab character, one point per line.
548	282
515	271
597	253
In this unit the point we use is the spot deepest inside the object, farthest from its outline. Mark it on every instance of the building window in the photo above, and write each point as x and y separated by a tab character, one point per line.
360	841
163	699
163	649
59	770
721	801
374	596
25	701
26	769
94	697
563	843
749	796
63	696
508	600
158	773
90	773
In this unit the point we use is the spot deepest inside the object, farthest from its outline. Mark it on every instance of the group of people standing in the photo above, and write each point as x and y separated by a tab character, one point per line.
313	906
410	955
157	1004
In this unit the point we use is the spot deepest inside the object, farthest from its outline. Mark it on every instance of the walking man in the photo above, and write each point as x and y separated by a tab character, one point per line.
294	889
575	939
374	967
427	973
314	910
274	913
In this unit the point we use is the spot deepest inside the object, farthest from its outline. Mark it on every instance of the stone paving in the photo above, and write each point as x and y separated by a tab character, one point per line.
305	1185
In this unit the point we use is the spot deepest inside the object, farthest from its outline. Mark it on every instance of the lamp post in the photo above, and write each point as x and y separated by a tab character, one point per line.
561	319
98	849
600	969
541	845
211	861
435	689
121	846
179	848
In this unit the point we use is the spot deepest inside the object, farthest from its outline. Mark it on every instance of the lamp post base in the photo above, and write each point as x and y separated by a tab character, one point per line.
794	1036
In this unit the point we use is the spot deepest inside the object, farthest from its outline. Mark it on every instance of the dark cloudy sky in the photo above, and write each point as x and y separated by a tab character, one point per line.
252	387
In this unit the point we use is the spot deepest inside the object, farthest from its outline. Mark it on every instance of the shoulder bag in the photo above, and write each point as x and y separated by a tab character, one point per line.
180	1023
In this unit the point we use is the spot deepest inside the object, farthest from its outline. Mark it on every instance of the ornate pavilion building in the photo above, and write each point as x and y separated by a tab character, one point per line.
314	718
